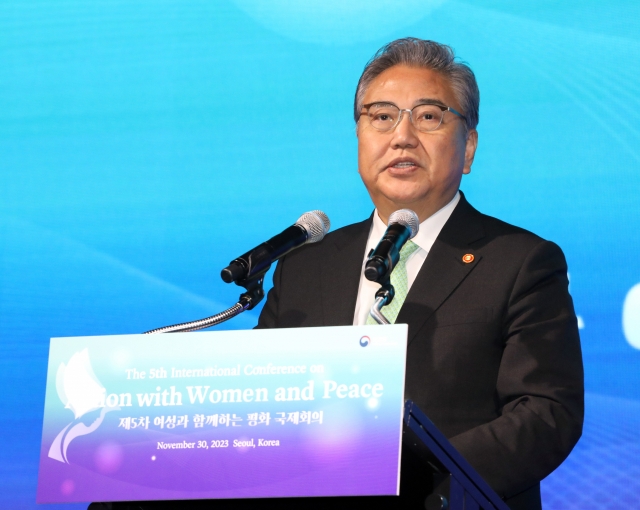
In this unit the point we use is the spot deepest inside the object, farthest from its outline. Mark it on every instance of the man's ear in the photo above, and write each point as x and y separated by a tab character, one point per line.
470	150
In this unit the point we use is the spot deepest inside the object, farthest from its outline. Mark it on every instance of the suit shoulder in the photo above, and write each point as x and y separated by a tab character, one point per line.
496	226
512	240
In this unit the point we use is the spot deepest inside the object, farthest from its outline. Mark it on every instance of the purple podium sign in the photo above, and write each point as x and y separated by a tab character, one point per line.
229	414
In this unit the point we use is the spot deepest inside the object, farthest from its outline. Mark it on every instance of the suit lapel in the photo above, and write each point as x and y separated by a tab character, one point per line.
339	286
444	269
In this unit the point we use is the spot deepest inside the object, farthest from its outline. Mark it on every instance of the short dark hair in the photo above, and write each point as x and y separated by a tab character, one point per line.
414	52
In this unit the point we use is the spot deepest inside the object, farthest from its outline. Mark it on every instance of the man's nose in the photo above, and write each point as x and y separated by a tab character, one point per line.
404	135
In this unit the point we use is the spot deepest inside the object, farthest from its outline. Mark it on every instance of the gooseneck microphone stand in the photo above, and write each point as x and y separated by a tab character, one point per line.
249	299
384	296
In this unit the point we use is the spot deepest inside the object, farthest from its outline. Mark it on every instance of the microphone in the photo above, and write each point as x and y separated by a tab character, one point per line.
311	227
403	225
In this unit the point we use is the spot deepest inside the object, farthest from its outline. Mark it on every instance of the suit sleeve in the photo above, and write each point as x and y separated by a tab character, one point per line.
539	390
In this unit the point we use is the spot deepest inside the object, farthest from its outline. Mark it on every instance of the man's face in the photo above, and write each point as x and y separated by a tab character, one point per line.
406	168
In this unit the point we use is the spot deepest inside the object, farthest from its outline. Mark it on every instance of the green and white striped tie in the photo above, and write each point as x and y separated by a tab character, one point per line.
400	284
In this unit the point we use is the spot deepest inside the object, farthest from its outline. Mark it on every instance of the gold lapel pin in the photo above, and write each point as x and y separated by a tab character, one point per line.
468	258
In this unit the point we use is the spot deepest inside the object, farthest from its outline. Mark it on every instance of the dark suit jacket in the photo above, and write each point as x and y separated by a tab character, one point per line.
494	354
493	357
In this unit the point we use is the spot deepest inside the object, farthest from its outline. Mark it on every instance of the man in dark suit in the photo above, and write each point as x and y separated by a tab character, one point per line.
494	354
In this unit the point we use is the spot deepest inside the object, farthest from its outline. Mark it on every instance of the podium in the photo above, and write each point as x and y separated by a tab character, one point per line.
294	418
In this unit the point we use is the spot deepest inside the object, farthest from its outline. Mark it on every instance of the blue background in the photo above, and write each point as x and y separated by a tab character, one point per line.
144	144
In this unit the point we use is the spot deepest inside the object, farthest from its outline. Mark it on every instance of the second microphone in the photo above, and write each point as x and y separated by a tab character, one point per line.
402	226
311	227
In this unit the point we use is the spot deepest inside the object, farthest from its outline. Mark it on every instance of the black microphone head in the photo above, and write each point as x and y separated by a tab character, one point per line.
316	224
407	218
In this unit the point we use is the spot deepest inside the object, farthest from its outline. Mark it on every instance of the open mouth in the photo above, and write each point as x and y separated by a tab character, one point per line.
403	164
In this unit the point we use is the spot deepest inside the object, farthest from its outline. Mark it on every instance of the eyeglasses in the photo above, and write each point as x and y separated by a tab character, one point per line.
424	117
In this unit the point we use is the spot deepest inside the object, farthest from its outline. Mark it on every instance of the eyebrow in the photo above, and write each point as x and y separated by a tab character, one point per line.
417	102
428	100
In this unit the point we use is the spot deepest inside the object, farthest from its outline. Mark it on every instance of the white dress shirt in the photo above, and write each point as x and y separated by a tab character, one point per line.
426	236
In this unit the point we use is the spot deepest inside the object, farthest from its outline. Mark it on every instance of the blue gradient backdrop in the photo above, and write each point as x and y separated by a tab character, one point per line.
143	144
